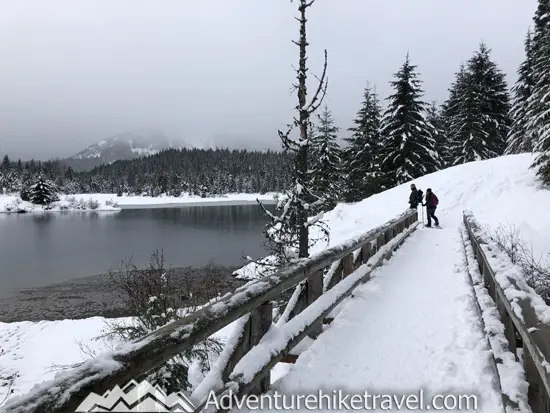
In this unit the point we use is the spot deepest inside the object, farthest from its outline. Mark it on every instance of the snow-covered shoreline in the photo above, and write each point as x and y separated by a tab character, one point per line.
114	203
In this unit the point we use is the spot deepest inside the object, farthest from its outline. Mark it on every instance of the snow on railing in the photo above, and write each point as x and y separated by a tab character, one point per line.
523	314
252	306
512	382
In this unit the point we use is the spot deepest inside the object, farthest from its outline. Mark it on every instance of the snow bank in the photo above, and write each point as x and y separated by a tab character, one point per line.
39	352
112	202
76	203
134	202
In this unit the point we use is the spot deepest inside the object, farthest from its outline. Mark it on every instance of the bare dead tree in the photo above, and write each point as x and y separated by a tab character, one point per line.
156	299
288	234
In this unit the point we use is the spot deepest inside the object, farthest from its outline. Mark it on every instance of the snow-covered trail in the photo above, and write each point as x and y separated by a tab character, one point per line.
412	326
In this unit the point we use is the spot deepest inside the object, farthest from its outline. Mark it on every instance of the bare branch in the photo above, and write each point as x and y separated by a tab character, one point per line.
321	89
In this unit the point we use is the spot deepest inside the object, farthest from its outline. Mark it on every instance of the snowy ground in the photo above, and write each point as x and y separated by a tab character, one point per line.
37	351
112	202
413	325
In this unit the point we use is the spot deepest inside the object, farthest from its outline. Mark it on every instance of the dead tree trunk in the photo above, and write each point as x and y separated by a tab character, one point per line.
305	111
288	233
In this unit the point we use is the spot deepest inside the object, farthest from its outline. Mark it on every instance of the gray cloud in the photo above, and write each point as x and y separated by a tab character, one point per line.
74	72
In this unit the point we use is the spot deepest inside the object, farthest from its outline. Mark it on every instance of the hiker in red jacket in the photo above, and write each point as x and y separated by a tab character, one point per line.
431	206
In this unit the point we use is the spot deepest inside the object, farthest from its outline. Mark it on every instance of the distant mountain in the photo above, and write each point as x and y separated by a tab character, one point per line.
127	146
124	146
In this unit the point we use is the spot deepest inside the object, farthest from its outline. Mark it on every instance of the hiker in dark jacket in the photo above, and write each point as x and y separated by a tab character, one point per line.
431	206
415	198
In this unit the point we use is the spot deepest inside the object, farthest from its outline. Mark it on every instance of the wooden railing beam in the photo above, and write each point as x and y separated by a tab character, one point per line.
535	336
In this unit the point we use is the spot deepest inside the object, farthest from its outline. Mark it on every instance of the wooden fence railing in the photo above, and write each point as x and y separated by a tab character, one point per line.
247	364
522	327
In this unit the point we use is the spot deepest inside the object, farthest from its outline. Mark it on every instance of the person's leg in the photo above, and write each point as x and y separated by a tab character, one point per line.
434	217
429	214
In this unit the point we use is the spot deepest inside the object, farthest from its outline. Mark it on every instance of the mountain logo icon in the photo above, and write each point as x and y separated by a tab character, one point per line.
136	397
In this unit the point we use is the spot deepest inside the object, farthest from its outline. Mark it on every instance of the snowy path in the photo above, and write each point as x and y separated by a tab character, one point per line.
412	327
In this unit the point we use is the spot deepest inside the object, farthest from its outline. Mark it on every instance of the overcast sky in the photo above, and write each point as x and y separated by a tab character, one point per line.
73	72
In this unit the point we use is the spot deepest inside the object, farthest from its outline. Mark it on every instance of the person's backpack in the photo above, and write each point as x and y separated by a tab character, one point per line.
419	196
435	201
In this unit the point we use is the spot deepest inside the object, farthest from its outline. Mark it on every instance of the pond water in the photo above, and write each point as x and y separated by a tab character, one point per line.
45	248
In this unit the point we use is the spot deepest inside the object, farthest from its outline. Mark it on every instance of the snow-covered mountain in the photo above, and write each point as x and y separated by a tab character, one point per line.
127	146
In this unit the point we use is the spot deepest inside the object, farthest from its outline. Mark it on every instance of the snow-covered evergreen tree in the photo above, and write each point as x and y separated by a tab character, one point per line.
408	147
539	102
519	140
361	156
326	161
43	192
450	111
481	122
442	143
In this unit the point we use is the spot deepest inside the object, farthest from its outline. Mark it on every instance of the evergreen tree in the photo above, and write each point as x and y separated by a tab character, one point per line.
519	140
43	192
442	143
450	111
360	159
481	122
326	160
539	102
408	145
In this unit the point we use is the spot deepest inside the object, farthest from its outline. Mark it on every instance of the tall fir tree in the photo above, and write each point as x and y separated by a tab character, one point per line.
539	103
408	147
481	122
519	140
435	119
326	161
450	111
361	156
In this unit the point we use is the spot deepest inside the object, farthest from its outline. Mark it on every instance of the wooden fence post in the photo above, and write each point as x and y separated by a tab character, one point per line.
314	291
380	242
366	252
388	235
347	263
336	277
241	348
260	321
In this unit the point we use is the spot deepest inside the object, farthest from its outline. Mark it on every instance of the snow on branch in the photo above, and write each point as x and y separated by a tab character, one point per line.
314	220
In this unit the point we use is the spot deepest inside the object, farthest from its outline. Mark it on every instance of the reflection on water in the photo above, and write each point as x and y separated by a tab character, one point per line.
38	249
